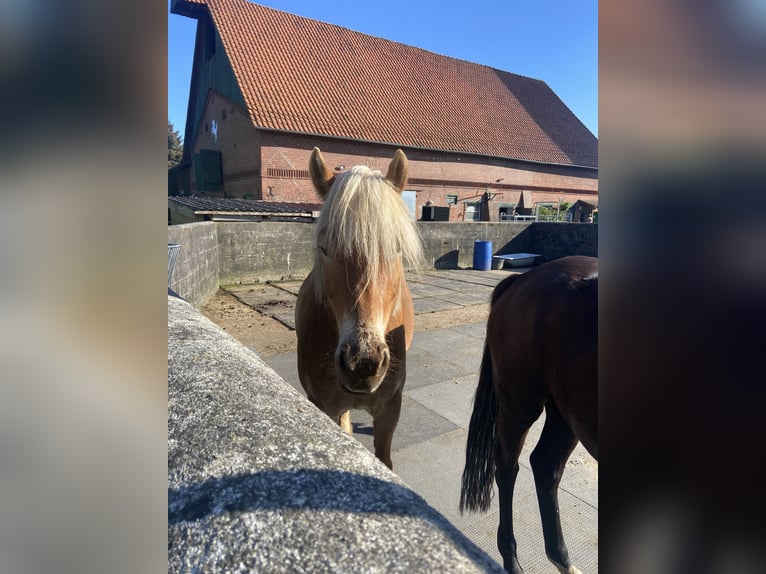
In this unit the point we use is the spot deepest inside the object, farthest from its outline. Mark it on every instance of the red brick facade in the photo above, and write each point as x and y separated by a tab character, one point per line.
273	166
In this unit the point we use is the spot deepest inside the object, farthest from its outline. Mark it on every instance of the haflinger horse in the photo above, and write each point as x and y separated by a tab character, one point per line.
540	353
354	314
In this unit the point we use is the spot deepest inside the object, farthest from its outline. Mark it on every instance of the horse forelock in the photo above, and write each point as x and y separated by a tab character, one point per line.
365	220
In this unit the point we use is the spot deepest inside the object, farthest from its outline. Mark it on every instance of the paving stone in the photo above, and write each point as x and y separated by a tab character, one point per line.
424	368
452	399
286	365
435	469
286	317
464	298
417	425
445	342
476	330
419	290
289	286
475	278
431	304
443	282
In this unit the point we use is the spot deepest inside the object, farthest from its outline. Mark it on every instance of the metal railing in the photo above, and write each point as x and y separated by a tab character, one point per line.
173	249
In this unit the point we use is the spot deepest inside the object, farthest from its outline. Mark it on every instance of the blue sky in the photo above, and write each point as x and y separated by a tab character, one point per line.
554	41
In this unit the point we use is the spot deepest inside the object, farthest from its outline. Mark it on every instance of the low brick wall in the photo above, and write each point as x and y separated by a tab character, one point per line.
260	480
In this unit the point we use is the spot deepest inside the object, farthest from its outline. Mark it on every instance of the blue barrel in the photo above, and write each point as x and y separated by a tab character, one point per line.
482	255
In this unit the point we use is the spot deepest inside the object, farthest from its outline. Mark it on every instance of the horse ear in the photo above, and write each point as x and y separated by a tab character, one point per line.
397	171
321	176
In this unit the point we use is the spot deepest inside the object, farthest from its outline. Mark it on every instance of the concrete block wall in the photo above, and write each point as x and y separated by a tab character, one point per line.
260	480
450	245
263	251
224	253
195	274
553	240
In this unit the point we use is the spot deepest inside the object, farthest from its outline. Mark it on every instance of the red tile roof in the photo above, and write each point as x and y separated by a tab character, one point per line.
302	75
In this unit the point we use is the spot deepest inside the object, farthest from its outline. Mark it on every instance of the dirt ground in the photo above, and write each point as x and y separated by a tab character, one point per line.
248	326
270	337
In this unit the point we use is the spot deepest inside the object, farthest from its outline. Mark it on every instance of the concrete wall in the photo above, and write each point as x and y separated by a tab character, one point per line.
270	251
553	240
450	245
195	274
180	214
248	252
260	480
263	251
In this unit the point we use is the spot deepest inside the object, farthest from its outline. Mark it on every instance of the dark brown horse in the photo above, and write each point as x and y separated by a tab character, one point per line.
540	353
354	315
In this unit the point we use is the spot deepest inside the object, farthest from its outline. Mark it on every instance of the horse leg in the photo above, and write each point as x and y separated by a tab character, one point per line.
511	433
344	420
548	459
383	425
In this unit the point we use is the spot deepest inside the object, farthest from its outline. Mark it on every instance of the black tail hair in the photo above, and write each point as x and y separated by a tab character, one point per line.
479	470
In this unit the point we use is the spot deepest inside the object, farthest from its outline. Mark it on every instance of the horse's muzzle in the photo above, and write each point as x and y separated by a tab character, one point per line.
362	372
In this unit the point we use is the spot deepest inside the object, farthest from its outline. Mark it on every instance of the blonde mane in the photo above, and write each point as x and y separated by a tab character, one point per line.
364	219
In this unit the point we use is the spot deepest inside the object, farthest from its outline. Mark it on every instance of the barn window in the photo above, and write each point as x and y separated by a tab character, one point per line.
451	199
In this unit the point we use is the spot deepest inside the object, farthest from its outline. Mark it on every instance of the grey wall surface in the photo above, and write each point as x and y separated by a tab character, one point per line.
260	480
553	240
224	253
195	274
263	251
450	245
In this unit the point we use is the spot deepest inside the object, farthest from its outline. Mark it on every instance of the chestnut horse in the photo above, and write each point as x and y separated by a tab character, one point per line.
540	352
354	314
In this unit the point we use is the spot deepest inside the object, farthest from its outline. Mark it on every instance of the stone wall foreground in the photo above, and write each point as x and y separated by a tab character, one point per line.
259	480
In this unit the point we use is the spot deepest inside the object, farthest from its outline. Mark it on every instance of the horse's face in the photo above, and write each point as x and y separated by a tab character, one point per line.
361	235
363	310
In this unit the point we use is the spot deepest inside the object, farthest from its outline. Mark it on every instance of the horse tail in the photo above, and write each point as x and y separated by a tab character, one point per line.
479	470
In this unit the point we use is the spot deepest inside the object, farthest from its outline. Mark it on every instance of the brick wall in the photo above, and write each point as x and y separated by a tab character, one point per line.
274	166
234	136
432	175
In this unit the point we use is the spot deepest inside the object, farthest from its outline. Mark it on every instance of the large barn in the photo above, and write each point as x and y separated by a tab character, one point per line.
267	86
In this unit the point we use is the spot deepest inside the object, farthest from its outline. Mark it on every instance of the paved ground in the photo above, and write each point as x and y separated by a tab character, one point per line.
429	443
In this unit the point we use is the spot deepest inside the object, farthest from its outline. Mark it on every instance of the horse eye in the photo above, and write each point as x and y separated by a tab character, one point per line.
323	250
